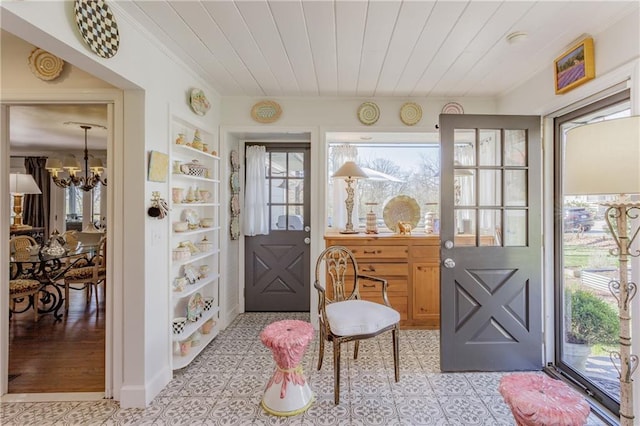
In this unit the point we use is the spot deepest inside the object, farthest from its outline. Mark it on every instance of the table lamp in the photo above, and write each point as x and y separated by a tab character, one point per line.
350	172
20	184
604	158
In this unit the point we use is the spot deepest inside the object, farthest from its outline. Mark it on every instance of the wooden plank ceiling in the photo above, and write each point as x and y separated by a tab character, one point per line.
371	48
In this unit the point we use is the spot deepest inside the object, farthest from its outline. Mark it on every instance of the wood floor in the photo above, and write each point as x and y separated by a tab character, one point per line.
59	356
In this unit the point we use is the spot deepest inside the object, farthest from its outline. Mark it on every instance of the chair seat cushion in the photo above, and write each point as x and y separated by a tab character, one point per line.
354	317
84	272
23	286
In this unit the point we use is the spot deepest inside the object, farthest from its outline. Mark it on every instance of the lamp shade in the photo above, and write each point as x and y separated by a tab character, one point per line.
603	158
350	170
20	183
53	164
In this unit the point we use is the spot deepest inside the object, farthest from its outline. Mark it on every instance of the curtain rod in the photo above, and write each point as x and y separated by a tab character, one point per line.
26	156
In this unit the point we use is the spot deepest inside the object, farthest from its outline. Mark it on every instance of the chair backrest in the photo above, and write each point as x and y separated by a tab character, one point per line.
71	239
101	262
21	243
337	270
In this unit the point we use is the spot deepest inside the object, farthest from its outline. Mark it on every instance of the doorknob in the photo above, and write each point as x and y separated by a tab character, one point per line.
307	240
448	244
449	263
307	228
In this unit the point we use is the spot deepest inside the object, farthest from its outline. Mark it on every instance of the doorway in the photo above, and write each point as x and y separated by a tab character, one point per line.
587	326
277	264
61	352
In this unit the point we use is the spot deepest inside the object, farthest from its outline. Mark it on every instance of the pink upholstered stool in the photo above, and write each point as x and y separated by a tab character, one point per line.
536	399
287	392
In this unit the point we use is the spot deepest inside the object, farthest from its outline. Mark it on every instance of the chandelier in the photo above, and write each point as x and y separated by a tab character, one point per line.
92	167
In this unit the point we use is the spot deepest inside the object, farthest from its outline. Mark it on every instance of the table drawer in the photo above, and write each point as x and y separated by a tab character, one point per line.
395	286
379	252
425	253
383	270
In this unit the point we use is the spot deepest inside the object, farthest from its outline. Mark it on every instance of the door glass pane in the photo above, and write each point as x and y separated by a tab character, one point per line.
464	152
296	164
278	218
515	228
490	187
464	187
515	188
515	148
296	218
466	223
490	148
295	191
278	164
490	227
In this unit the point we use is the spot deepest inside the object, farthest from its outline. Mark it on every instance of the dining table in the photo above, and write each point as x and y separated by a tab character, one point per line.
48	268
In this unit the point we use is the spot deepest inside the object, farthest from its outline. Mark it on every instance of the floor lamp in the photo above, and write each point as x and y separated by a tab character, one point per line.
20	184
349	171
604	158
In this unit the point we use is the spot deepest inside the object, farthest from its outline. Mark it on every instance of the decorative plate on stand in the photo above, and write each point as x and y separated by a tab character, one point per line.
401	208
410	113
44	65
368	113
98	27
195	307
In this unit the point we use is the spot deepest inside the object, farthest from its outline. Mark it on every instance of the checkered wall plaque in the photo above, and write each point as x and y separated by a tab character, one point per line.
98	27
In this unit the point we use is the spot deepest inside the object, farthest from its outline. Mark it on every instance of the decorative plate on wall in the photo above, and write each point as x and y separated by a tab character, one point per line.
452	108
410	113
235	227
44	65
368	113
266	112
97	26
199	102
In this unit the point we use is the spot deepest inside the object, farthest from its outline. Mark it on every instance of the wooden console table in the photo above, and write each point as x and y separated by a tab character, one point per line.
410	264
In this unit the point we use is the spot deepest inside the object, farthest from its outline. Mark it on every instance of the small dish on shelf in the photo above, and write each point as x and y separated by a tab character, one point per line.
180	226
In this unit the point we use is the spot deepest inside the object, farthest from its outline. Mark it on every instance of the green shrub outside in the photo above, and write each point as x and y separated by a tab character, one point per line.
592	320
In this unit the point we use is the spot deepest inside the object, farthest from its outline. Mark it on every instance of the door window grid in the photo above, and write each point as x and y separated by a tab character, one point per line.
490	183
285	179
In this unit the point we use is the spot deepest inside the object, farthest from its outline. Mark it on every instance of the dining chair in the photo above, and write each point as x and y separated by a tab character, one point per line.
344	316
21	242
90	275
22	287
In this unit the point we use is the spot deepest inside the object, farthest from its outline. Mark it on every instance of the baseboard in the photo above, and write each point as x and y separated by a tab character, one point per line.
140	396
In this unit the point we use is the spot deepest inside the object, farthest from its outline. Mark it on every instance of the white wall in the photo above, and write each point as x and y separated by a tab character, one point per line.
154	84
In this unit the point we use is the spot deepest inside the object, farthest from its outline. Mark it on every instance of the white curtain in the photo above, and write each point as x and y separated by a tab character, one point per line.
256	217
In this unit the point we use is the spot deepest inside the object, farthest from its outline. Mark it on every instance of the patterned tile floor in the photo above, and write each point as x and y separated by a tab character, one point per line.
224	386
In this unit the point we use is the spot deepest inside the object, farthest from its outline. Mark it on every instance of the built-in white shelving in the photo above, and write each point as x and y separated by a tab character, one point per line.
195	195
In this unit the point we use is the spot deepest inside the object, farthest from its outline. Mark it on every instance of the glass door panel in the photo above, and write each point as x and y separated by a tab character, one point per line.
587	325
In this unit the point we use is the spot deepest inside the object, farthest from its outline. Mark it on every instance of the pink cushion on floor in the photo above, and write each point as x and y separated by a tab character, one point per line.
536	399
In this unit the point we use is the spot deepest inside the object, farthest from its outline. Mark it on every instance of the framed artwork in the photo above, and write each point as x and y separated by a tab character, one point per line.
575	66
158	166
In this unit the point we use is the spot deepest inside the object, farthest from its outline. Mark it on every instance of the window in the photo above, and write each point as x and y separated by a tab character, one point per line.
394	168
